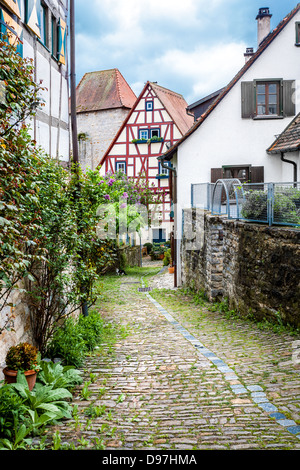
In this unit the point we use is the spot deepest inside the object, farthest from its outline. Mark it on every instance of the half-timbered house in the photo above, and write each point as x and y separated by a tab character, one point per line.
155	123
39	30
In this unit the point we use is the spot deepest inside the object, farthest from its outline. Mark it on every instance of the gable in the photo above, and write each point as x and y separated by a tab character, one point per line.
155	108
258	67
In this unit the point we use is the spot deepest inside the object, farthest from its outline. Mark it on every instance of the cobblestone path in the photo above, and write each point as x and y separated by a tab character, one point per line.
186	378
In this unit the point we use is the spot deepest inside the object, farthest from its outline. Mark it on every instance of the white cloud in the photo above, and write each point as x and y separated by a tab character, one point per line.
201	70
173	42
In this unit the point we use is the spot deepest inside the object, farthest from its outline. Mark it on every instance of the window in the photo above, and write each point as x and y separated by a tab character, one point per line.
297	34
163	171
267	99
143	134
245	173
54	34
149	105
154	133
44	24
121	166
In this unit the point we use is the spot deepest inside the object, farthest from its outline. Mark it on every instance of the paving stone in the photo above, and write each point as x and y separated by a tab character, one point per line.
174	382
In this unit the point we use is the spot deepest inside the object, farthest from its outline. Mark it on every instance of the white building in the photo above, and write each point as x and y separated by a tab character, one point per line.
41	26
232	137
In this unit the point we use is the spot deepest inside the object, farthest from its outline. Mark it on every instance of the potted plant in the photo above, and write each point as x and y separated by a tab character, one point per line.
24	358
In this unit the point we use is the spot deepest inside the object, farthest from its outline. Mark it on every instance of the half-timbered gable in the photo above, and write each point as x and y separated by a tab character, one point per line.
156	122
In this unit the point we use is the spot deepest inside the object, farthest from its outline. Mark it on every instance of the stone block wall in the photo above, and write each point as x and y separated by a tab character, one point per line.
133	255
256	267
19	325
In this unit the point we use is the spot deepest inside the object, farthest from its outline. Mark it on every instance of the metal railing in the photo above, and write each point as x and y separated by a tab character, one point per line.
201	195
272	203
269	203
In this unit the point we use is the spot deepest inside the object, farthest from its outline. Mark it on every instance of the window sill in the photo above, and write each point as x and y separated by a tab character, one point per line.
161	177
261	118
149	141
42	44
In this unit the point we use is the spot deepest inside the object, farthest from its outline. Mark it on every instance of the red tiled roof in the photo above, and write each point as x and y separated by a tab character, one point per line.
263	46
176	106
289	140
105	89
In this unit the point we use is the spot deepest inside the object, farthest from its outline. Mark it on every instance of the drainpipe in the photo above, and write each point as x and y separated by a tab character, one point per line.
292	163
85	311
164	165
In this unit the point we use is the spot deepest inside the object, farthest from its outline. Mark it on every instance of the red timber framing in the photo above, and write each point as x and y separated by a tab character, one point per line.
157	120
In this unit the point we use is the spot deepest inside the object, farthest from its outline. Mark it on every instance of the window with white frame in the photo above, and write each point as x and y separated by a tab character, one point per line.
163	171
121	166
149	105
144	134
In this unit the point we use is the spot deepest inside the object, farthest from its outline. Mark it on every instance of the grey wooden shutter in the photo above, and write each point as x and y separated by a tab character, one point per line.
247	99
216	174
288	98
257	174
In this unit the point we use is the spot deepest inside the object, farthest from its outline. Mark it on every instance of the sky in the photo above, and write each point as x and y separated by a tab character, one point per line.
192	47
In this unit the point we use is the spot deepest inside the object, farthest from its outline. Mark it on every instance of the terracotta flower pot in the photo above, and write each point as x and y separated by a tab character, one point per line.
11	377
171	269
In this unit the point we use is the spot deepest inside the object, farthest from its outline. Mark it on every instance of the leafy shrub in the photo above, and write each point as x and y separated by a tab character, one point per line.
11	409
58	376
167	257
76	338
255	206
68	344
286	206
91	328
148	246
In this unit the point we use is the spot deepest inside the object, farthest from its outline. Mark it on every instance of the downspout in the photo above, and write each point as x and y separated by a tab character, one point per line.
164	165
292	163
189	113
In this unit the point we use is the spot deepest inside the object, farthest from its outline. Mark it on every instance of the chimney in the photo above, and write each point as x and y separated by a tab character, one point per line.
249	53
263	24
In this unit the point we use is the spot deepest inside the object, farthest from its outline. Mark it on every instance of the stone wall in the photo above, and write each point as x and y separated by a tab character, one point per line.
132	255
18	329
96	131
256	267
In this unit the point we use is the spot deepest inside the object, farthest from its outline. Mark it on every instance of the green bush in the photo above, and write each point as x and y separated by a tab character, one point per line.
167	257
68	344
286	206
76	338
91	328
11	409
148	246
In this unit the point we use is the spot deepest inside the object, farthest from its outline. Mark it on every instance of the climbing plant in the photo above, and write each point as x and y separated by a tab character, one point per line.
19	168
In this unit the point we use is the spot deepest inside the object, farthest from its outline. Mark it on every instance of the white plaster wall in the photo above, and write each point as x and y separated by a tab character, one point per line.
224	138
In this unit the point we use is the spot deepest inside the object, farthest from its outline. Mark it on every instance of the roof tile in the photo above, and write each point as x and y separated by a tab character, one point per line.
101	90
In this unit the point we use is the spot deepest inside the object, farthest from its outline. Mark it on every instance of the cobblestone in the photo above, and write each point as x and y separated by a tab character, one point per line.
186	378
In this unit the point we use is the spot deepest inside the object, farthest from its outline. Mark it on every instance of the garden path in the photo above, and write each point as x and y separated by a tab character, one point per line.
186	377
